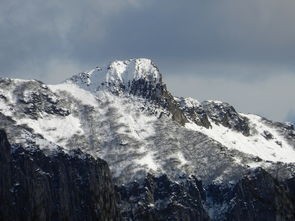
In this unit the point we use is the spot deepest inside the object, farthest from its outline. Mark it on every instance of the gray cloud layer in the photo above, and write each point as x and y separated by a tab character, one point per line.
234	42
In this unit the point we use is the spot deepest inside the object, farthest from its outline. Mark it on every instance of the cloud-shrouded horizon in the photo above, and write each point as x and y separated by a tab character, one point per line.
238	51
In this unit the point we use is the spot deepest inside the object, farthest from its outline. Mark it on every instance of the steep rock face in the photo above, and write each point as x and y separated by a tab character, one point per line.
55	187
159	198
290	183
5	177
159	95
261	197
257	196
194	111
225	114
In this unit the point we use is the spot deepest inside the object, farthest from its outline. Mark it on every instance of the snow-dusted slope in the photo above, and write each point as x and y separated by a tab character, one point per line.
124	114
275	149
264	139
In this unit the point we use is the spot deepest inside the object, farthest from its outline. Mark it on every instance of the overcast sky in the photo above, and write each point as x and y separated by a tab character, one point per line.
238	51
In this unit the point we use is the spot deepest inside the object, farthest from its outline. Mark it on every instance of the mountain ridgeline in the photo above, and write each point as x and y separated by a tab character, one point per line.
113	143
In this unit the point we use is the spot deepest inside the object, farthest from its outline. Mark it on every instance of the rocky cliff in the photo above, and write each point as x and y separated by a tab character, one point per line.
61	186
159	198
256	196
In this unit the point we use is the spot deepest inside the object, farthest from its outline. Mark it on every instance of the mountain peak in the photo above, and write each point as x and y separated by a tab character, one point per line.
139	77
134	69
118	74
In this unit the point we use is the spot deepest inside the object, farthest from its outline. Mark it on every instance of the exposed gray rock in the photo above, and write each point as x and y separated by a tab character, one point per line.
195	113
160	95
225	114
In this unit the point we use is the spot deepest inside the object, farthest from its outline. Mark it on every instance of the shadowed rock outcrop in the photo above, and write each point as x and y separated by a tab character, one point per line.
159	198
259	196
225	114
60	186
159	94
256	197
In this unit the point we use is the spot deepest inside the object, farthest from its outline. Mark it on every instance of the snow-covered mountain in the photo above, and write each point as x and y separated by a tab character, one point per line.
124	114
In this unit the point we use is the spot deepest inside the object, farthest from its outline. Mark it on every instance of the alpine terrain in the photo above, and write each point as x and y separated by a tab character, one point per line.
113	143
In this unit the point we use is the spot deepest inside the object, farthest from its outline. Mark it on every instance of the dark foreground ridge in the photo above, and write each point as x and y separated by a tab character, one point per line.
76	186
60	187
256	197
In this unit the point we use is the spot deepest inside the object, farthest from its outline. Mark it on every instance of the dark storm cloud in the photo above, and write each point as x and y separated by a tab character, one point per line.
239	31
245	41
194	30
36	35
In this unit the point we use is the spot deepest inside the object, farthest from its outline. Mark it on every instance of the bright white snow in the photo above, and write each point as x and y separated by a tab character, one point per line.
255	144
55	129
85	97
148	161
187	102
118	73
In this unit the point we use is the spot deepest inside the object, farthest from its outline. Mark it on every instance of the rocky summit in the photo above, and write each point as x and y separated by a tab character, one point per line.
113	143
